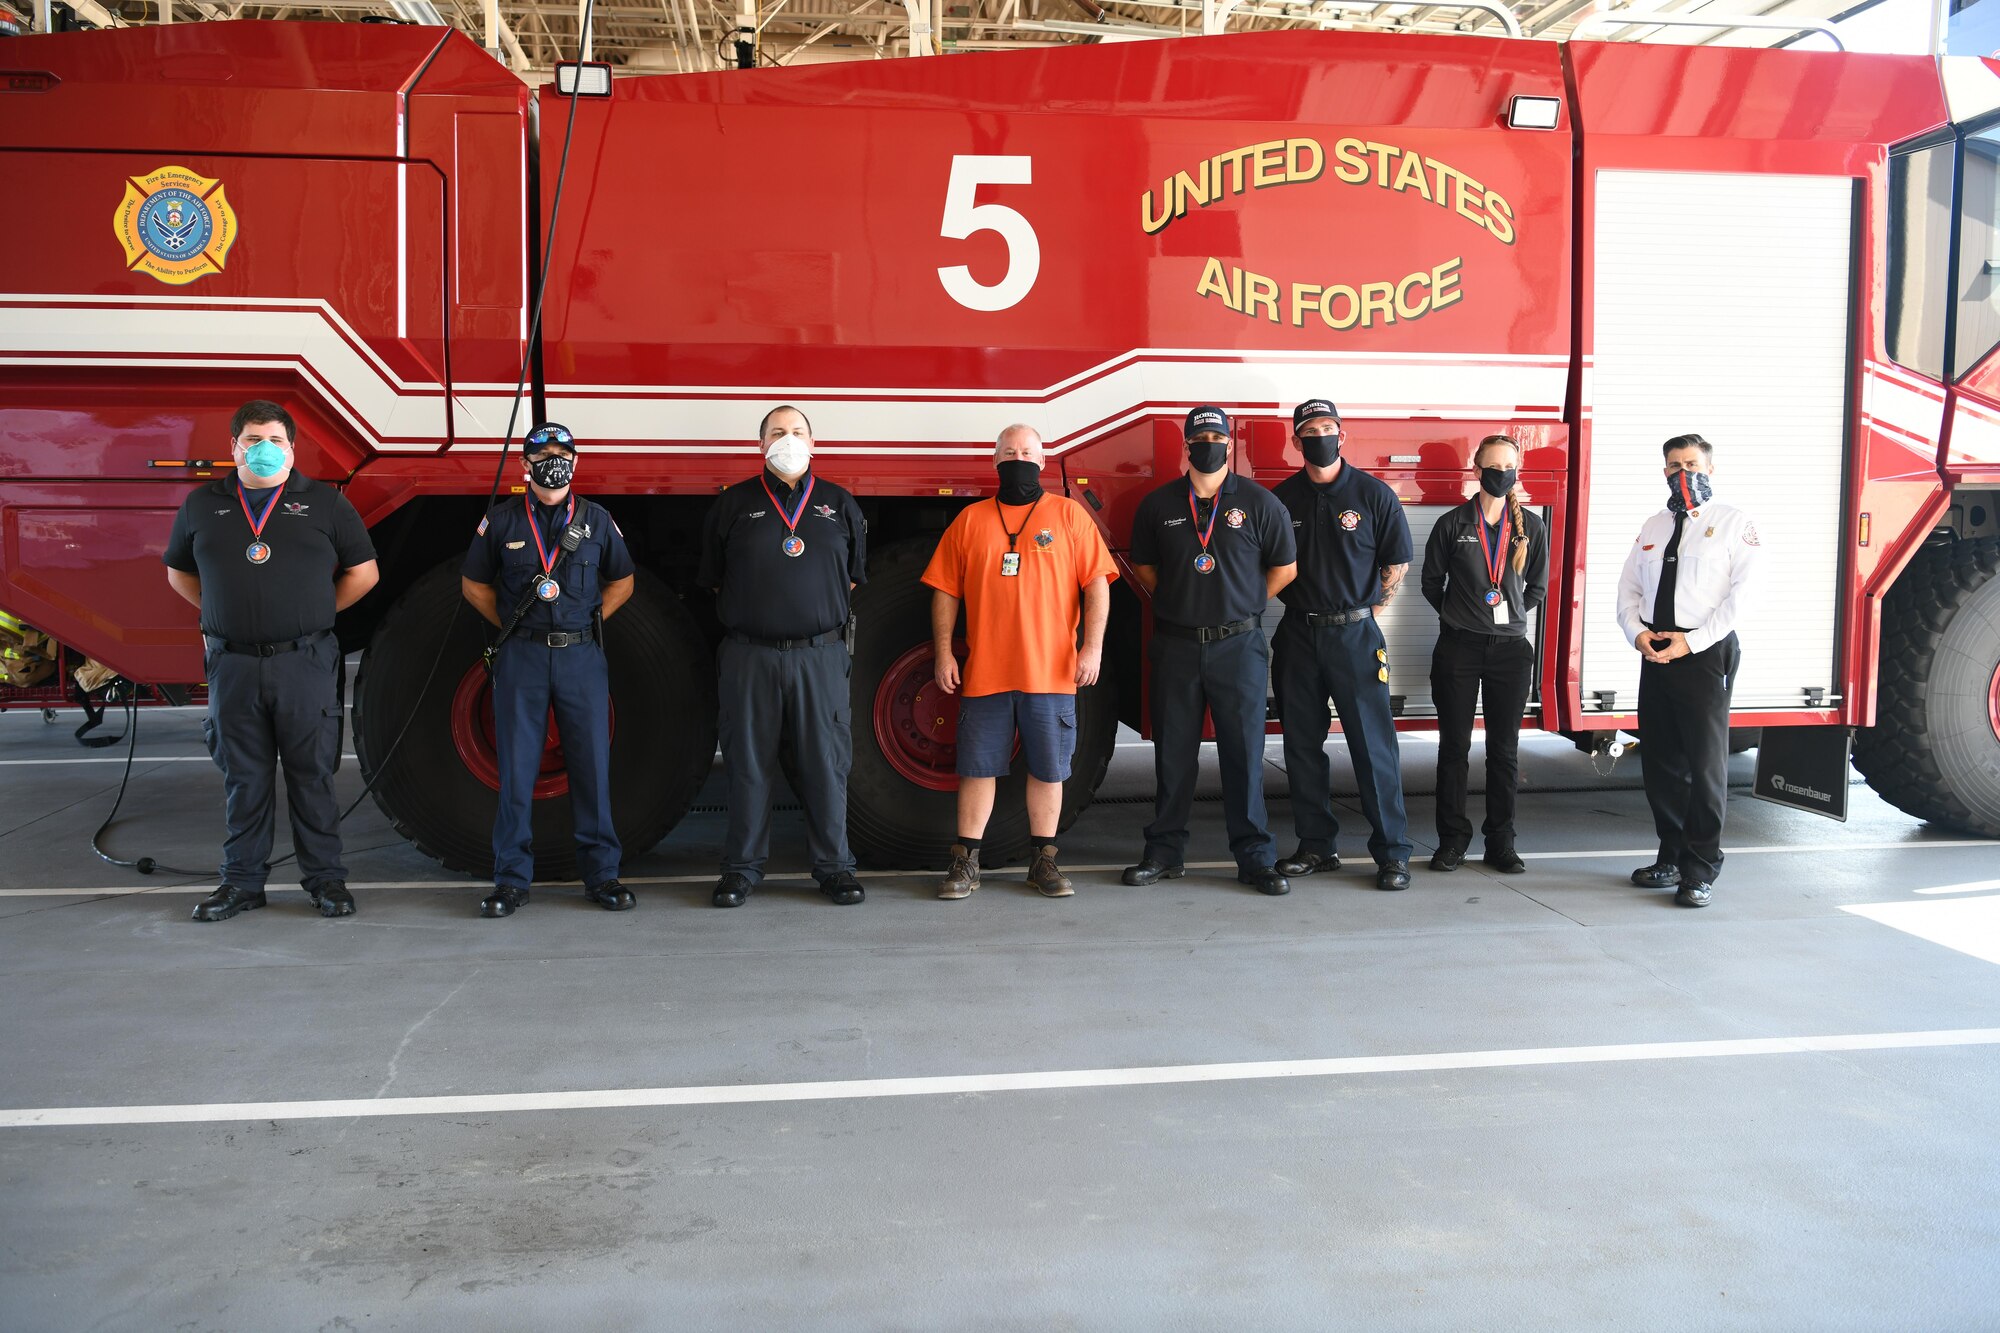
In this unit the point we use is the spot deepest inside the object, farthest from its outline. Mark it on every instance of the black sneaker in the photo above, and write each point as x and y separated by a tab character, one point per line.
1448	857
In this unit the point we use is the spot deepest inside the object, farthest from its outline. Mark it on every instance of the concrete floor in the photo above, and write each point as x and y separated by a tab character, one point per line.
1603	1187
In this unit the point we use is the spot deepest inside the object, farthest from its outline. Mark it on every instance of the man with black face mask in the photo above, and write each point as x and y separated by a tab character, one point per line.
1212	548
1354	549
1680	597
552	658
1029	569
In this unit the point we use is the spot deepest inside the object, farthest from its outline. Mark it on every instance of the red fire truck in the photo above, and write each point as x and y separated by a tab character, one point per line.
1590	246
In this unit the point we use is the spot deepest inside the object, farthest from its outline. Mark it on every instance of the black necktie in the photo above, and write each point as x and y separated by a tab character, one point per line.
1670	570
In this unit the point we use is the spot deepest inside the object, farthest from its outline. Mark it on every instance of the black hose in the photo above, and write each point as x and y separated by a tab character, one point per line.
146	865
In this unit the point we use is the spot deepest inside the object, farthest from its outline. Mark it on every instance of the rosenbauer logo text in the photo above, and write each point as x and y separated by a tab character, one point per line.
1356	162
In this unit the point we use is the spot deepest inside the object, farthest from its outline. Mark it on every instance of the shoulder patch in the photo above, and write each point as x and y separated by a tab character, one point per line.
482	529
1750	535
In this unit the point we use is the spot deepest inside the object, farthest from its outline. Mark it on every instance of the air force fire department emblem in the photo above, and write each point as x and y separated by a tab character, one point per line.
175	225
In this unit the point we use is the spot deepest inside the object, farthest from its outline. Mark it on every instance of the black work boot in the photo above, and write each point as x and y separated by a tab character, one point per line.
332	899
611	896
226	902
962	877
503	901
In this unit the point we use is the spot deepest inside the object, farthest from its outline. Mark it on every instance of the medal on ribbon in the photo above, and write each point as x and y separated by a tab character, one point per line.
1203	563
546	586
259	550
1496	559
793	545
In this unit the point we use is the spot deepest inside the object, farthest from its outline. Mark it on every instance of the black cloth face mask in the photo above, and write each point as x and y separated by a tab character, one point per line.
1320	450
1497	481
1207	455
1020	481
552	473
1688	490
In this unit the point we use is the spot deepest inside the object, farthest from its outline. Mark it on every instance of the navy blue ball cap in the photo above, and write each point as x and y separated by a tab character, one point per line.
548	433
1206	418
1313	407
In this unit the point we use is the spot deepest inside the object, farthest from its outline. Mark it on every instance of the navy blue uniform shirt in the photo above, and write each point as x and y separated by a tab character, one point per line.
504	555
1348	530
1251	535
761	591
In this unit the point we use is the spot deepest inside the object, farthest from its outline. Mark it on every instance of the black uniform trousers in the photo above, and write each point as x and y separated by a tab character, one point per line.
1464	665
1684	754
264	711
530	681
1347	664
769	695
1229	678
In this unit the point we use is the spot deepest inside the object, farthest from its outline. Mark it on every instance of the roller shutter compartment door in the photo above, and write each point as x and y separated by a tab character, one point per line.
1722	307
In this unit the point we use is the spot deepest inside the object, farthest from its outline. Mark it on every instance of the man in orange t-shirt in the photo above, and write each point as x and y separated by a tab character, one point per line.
1026	568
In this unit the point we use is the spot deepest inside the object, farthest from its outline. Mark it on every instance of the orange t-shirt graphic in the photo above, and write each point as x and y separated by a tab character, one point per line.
1021	628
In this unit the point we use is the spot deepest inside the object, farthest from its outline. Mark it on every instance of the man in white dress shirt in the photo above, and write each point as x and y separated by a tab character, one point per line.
1679	599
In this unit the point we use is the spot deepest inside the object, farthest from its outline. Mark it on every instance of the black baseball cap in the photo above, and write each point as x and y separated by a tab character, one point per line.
1206	418
548	433
1313	407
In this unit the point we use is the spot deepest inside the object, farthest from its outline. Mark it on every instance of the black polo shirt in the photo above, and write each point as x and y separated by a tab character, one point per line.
1348	530
504	554
761	591
1456	578
1251	534
312	535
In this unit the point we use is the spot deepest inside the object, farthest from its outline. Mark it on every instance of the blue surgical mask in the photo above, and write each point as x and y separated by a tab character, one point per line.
264	458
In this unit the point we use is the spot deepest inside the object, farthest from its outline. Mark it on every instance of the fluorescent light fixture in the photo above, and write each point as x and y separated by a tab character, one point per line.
583	78
1534	113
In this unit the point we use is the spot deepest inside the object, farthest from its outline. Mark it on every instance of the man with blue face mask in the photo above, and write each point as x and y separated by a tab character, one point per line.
1681	595
270	555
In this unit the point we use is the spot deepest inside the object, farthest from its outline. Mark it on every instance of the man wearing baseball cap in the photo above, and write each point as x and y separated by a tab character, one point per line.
1212	549
549	596
1354	549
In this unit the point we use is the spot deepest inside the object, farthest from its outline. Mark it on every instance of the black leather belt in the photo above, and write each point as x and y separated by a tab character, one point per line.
1205	633
1322	619
221	645
786	645
554	638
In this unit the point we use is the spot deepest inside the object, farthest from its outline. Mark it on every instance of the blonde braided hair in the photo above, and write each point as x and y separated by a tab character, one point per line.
1520	540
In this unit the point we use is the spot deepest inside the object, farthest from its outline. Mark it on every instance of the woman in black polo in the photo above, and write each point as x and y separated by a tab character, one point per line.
1486	571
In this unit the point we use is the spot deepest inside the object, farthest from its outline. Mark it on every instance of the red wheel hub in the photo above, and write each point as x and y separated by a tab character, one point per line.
916	723
1993	704
472	733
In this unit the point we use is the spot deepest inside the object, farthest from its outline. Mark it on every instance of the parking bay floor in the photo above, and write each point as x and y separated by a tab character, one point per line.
1549	1098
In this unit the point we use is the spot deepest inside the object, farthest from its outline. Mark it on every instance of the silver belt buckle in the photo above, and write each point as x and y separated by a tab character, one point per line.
556	640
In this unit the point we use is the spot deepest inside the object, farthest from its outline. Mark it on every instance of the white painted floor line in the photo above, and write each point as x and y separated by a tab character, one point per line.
1969	925
138	762
1003	873
963	1084
1977	886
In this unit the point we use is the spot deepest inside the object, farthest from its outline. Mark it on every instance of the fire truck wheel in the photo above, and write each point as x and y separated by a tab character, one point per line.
902	799
441	785
1934	750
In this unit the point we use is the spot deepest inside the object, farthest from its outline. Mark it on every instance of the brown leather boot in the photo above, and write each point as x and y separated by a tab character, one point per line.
963	877
1049	881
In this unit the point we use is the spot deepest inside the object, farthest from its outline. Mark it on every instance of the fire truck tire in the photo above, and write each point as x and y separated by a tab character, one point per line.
663	730
1934	751
892	821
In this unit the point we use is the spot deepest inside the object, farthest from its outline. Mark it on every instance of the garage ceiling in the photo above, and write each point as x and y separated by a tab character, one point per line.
672	36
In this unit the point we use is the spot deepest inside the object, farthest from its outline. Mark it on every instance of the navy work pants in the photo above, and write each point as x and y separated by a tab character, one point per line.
529	679
1349	665
769	695
1684	754
1228	677
264	711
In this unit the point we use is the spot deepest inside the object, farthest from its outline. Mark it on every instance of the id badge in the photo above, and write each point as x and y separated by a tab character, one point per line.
1500	613
1010	565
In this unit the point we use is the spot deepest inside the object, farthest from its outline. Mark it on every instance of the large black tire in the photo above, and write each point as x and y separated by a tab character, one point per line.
1933	751
893	822
663	697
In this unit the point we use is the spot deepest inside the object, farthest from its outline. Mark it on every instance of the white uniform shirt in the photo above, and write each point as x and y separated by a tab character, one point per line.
1718	556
